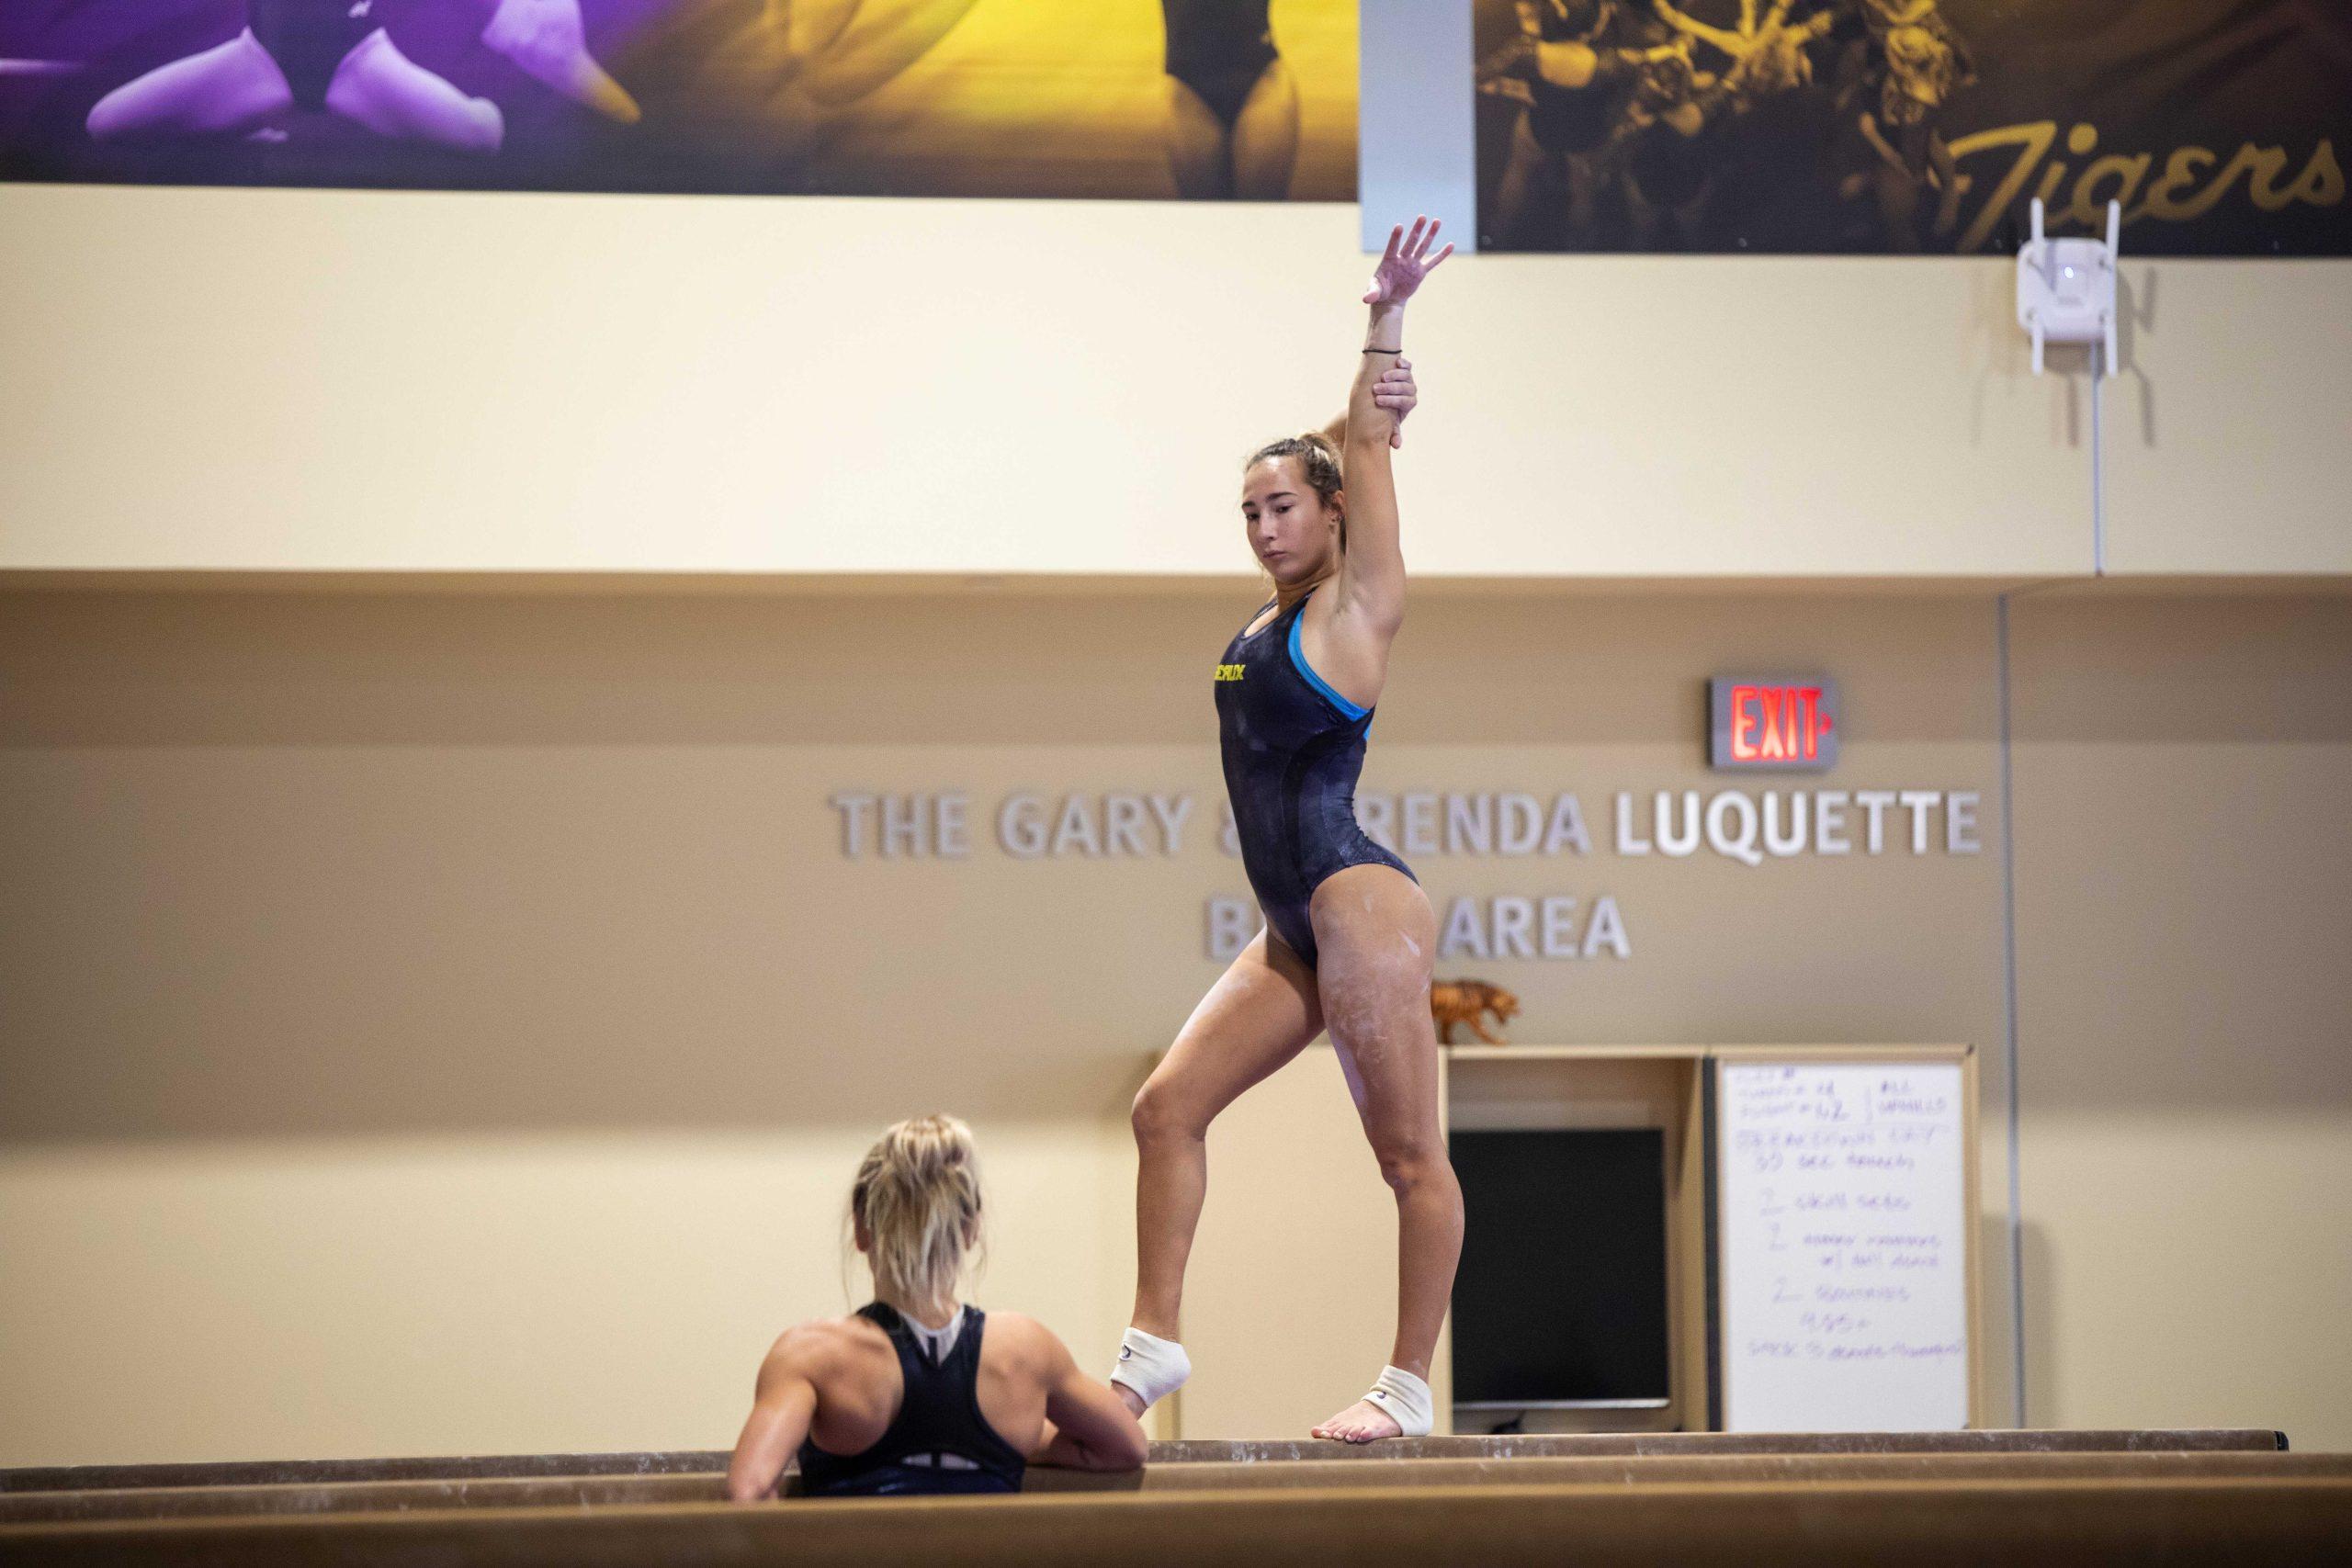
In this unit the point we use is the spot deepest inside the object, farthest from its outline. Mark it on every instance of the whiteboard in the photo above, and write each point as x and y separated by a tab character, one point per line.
1842	1236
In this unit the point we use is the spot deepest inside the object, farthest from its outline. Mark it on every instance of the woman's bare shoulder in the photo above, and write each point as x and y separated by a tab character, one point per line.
824	1342
1017	1335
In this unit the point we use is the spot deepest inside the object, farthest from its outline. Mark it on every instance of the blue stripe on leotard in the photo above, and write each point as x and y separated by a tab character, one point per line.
1299	659
1292	749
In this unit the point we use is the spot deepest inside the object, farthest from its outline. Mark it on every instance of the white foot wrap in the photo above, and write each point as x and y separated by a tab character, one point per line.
1407	1401
1153	1366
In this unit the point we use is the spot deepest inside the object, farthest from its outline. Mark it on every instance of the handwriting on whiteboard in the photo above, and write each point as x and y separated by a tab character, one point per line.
1844	1240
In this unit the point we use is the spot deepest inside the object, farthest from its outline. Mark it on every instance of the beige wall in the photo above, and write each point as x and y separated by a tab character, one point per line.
349	381
335	381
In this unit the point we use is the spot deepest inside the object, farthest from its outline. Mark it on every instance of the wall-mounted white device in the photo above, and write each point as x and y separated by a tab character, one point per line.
2066	288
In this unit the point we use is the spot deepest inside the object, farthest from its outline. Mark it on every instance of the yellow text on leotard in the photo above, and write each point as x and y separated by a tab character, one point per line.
1230	671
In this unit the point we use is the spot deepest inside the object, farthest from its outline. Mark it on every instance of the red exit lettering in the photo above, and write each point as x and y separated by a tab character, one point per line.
1777	724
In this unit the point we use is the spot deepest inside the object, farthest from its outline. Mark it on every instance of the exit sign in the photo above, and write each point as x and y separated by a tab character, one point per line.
1783	725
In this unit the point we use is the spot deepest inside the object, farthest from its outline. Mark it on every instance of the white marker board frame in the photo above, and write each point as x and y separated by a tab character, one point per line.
1887	1136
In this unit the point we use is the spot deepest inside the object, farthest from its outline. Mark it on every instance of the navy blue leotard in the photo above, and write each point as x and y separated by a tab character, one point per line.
1293	750
939	1443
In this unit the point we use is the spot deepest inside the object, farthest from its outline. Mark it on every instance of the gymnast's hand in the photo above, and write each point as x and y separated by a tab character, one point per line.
1406	263
1396	391
1392	389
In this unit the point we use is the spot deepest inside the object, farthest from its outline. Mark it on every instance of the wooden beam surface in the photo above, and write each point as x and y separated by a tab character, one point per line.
1916	1523
704	1461
606	1492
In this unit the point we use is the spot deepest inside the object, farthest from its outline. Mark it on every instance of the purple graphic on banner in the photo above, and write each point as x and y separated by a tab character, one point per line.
1137	99
366	92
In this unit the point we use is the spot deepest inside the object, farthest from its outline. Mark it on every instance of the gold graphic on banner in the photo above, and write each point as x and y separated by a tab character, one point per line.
1910	125
2173	197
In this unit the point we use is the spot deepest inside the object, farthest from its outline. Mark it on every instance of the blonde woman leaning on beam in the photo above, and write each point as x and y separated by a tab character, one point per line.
916	1393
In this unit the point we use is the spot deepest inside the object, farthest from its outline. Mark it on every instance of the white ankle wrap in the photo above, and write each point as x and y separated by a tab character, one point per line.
1407	1401
1153	1366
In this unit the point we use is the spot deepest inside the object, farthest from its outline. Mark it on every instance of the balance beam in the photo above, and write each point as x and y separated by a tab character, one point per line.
609	1491
1924	1523
708	1461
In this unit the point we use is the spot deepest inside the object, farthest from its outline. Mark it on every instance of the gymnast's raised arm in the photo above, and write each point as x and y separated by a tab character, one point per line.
1372	565
1396	391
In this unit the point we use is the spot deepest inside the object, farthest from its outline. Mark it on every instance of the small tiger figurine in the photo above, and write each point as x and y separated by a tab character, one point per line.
1461	1001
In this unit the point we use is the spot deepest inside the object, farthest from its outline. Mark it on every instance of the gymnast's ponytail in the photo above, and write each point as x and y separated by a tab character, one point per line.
917	1202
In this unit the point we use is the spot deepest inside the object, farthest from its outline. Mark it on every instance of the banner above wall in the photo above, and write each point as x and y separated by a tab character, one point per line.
1912	125
1137	99
1869	126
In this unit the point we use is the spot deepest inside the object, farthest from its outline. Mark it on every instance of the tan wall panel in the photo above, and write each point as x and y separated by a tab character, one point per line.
340	931
2182	766
516	1292
318	902
2183	1265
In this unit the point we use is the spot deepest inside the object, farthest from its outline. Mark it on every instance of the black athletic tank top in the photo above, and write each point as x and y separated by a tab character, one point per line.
939	1443
1293	750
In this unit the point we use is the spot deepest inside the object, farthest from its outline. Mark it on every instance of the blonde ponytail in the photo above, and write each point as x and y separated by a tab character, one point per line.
917	1200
